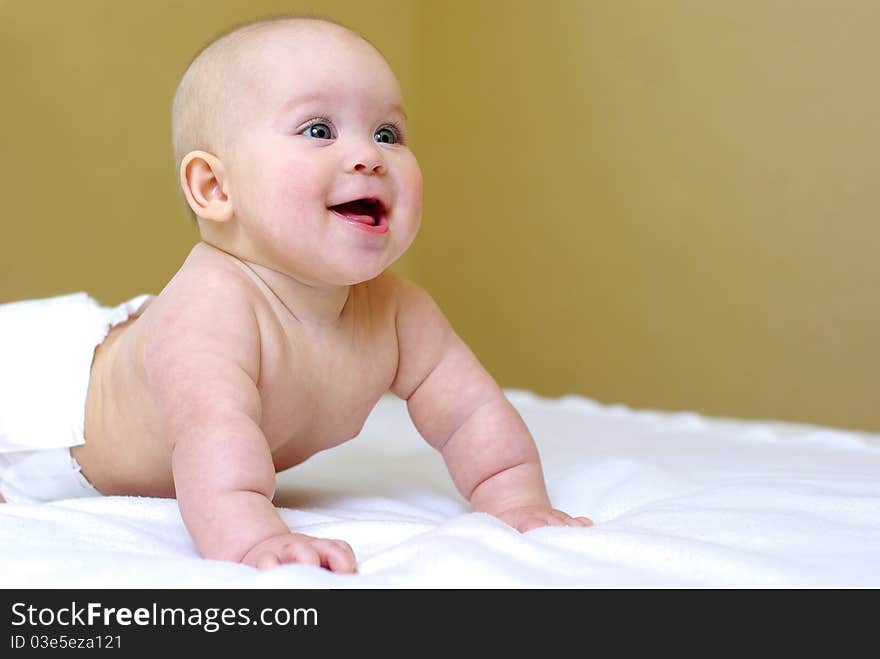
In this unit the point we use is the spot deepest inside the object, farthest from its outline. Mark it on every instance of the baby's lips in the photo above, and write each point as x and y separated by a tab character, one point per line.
354	217
368	210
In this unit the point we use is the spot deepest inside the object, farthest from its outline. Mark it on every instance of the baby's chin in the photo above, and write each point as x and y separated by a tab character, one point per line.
351	277
345	267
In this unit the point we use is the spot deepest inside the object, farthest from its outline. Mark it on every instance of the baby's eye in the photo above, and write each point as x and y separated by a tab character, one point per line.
319	130
387	135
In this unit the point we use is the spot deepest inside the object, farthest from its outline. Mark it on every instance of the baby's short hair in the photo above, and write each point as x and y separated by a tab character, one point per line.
205	104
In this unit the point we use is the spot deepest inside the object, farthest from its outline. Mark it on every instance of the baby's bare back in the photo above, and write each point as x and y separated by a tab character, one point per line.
316	383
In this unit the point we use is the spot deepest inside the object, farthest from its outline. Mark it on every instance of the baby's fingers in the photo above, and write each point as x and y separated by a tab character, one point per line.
551	517
537	520
336	555
266	561
568	520
300	552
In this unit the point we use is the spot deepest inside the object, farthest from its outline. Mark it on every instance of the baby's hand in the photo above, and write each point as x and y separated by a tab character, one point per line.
526	518
335	555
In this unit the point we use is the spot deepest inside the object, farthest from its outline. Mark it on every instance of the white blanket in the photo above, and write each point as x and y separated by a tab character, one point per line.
678	500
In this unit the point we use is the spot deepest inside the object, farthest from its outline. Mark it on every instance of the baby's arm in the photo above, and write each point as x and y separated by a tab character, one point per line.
203	368
460	410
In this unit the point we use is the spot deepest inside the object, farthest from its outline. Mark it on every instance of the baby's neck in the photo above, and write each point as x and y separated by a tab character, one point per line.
309	303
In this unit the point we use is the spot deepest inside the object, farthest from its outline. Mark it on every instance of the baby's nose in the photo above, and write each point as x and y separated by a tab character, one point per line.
366	159
375	168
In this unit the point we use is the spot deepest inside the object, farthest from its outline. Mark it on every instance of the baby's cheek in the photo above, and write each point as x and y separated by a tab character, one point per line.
410	192
412	172
286	198
287	223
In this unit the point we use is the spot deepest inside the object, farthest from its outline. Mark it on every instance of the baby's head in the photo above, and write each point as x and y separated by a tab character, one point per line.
291	145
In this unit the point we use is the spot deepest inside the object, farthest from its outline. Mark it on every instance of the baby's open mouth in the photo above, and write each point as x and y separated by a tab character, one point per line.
367	210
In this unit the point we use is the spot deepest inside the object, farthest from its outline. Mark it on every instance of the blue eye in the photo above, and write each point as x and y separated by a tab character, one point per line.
387	135
319	130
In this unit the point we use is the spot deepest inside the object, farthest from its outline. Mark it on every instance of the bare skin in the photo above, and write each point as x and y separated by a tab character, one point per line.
283	327
265	392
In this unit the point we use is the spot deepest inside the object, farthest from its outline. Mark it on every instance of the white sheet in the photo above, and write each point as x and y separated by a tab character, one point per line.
678	500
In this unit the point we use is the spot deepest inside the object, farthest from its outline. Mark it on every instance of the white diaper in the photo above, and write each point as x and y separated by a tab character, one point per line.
46	350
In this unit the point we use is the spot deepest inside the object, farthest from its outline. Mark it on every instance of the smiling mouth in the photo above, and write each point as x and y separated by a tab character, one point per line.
367	211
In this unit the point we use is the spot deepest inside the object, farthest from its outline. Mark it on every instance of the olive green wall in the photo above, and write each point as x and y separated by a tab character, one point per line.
665	204
89	190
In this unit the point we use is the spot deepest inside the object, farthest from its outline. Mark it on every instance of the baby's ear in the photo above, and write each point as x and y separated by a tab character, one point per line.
204	184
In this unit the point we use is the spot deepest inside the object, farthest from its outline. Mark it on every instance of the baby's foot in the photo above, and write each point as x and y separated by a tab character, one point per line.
335	555
526	518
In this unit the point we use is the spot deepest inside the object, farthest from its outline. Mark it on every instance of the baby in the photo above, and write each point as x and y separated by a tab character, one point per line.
283	328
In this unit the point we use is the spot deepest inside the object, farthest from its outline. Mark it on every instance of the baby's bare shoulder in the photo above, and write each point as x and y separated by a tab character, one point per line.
208	275
412	303
208	308
423	332
201	344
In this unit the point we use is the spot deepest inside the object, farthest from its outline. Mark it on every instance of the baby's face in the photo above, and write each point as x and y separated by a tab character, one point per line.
323	184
